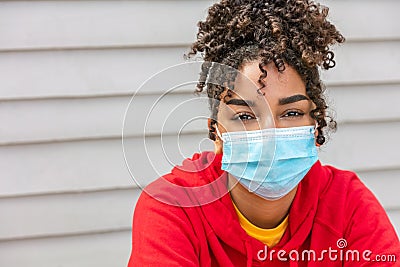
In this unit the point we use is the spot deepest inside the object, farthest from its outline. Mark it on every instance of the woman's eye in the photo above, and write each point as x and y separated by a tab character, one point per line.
244	117
293	113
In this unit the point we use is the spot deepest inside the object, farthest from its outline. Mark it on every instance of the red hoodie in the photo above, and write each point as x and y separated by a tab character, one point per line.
333	218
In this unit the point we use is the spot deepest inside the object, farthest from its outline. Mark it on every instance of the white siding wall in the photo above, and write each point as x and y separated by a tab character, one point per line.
68	70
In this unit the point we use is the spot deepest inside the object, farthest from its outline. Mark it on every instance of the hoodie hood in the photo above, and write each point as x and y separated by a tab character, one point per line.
199	182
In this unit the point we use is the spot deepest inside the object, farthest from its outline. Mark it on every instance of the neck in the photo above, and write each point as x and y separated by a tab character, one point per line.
262	213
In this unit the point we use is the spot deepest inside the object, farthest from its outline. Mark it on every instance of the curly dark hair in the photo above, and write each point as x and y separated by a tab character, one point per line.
294	32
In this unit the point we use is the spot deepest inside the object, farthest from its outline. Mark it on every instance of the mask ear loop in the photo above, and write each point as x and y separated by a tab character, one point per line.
219	134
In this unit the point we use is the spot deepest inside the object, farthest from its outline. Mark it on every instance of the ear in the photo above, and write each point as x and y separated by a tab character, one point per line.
217	142
218	146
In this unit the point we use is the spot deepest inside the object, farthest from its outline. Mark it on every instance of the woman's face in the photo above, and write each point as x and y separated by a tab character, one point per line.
284	103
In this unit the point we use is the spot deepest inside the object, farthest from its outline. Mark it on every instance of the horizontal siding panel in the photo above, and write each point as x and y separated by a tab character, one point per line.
384	184
83	72
363	63
65	119
41	120
56	24
50	215
60	119
63	167
102	250
91	165
365	103
356	19
395	219
363	146
123	71
126	23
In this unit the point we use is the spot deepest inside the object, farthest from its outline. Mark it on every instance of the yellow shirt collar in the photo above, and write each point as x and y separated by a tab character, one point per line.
270	237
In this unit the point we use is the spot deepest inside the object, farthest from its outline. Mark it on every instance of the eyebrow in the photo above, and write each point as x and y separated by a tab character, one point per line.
292	99
240	102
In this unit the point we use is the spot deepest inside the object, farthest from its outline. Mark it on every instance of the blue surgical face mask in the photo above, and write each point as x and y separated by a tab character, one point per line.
269	162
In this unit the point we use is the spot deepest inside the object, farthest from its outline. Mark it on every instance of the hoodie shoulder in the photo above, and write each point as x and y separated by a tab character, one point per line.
162	233
199	170
357	214
197	181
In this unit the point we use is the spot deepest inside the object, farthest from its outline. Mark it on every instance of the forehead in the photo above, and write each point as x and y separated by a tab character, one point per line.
277	84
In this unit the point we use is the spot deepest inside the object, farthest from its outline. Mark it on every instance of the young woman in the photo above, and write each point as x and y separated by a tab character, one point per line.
262	198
